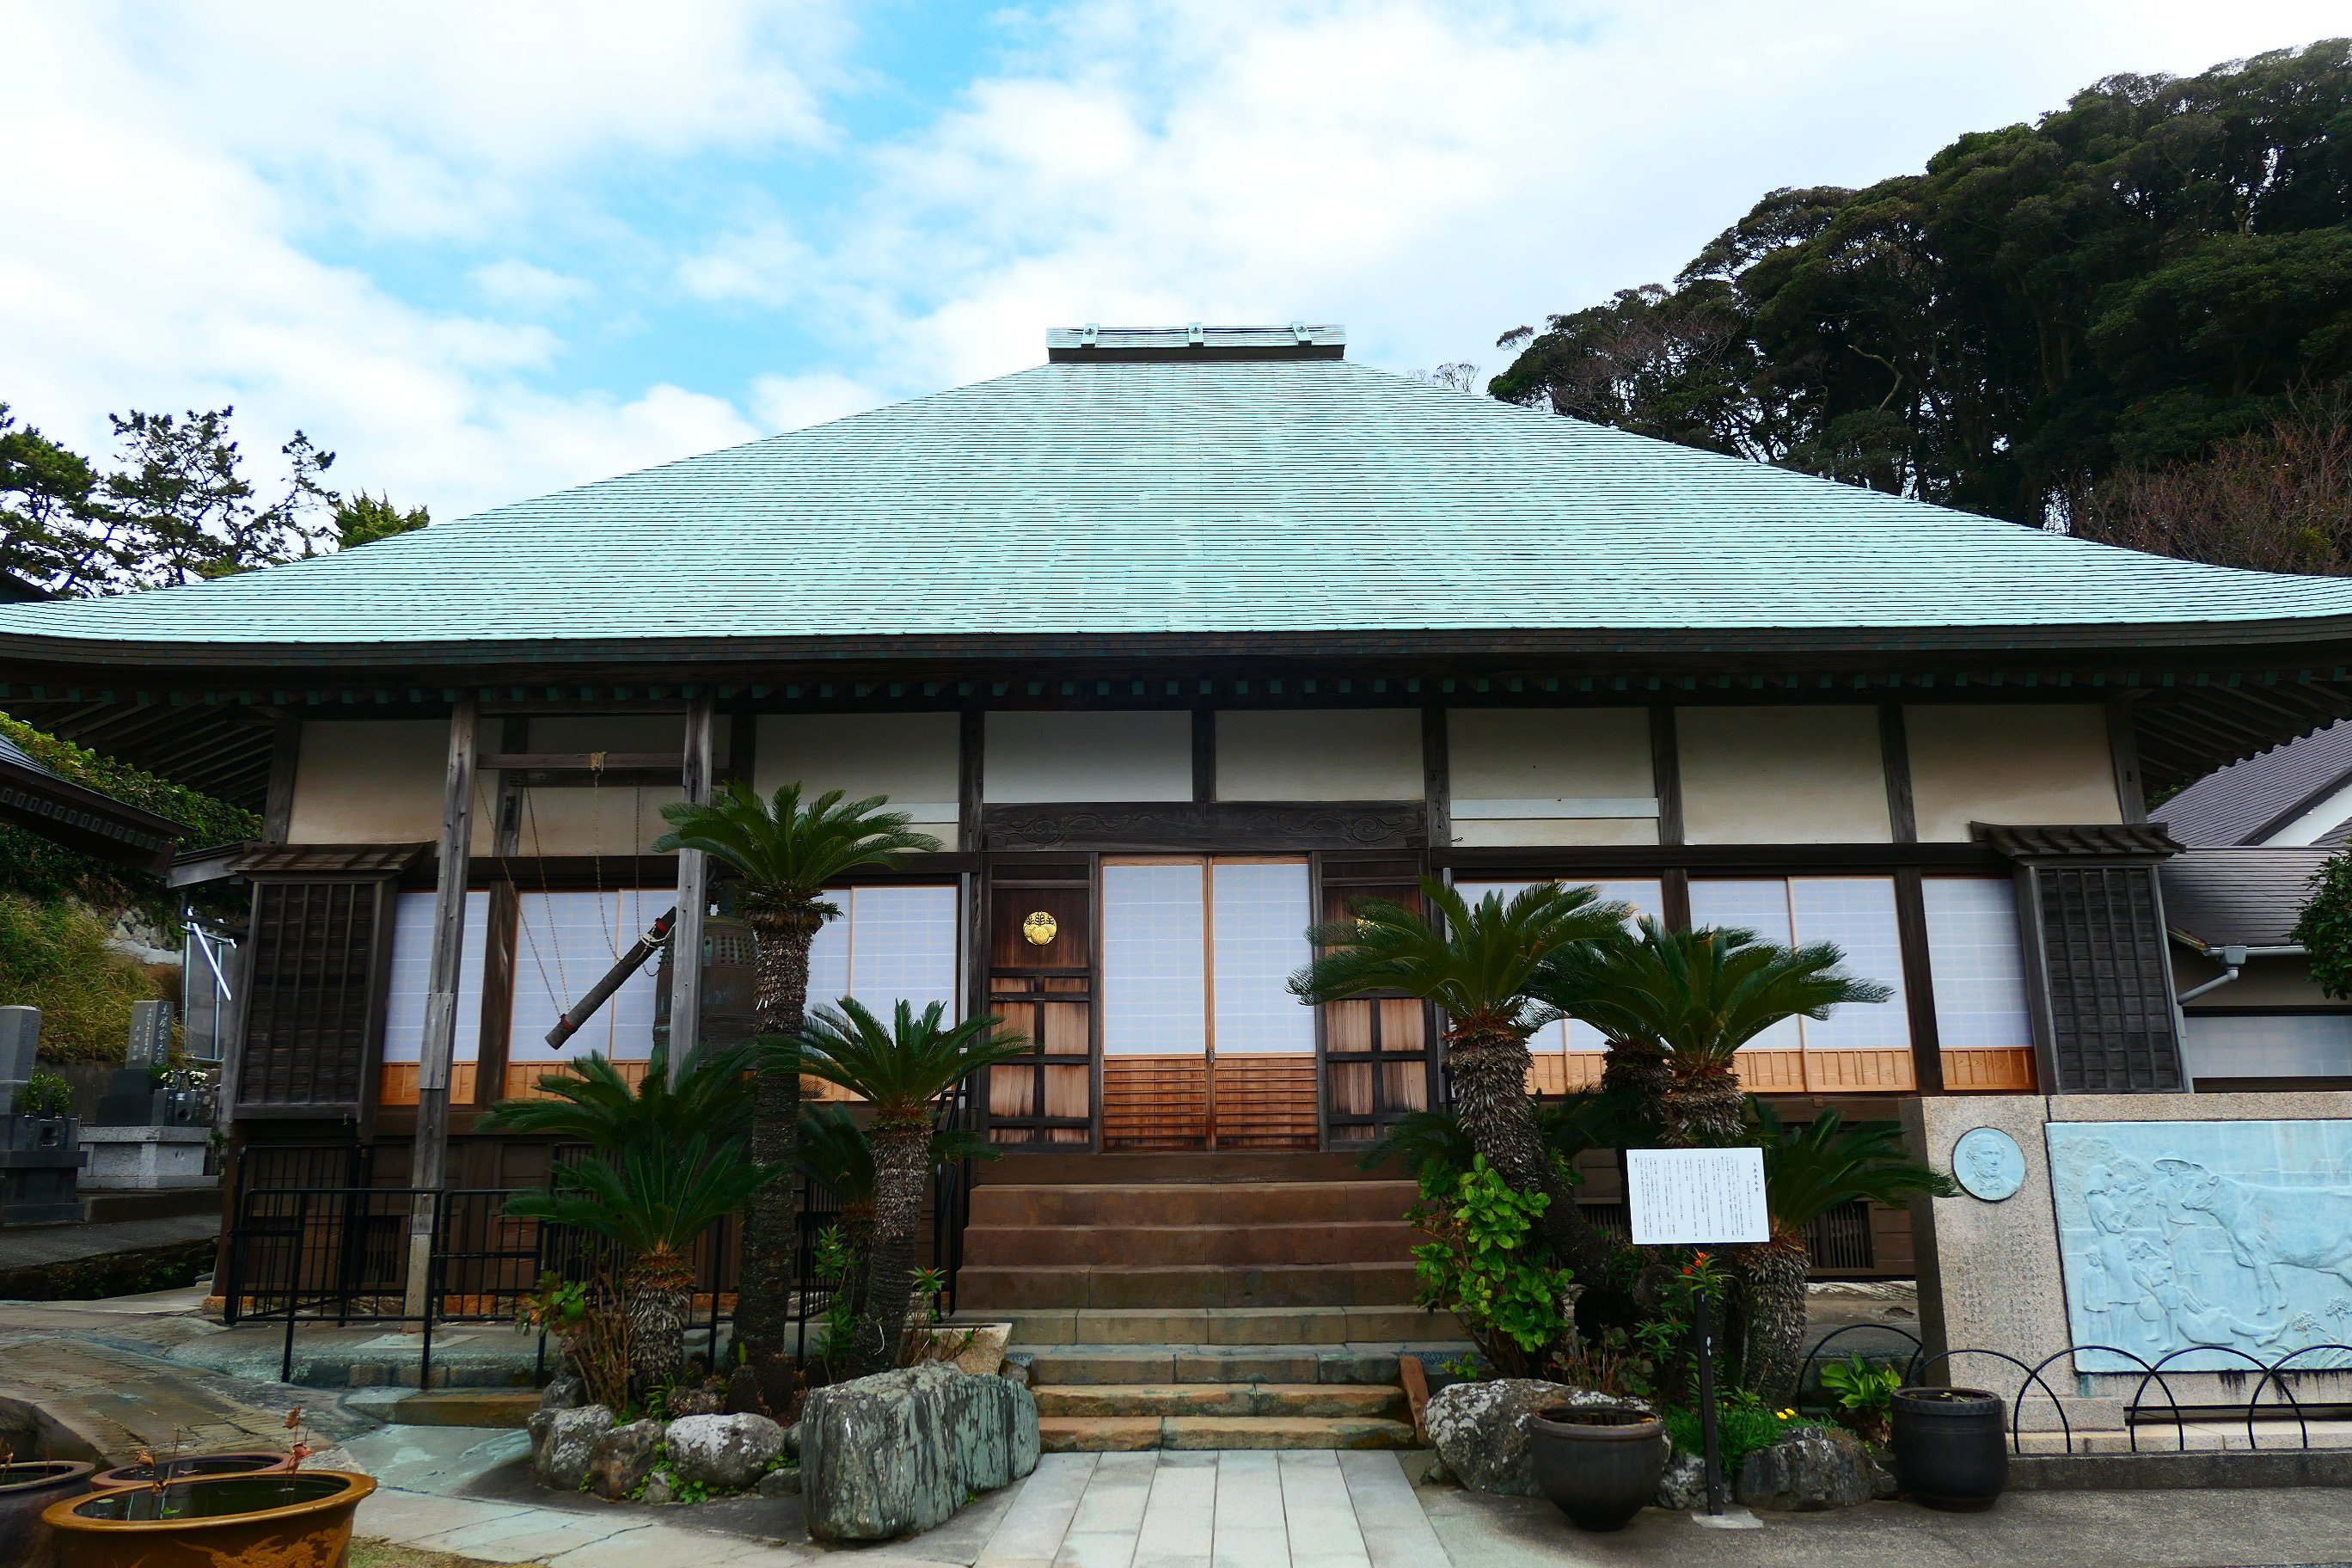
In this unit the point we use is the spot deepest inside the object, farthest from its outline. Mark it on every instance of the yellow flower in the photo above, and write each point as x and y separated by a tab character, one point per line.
1787	1415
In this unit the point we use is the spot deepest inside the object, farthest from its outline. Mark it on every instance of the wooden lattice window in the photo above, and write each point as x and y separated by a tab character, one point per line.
1376	1065
2107	979
316	978
1043	989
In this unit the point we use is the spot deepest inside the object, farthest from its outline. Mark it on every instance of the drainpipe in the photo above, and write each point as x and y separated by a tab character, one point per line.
2232	958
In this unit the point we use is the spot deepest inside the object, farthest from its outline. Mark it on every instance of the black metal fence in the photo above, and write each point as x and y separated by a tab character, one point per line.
2277	1377
314	1241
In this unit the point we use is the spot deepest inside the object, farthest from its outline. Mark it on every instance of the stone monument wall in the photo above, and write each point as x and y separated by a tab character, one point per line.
2150	1223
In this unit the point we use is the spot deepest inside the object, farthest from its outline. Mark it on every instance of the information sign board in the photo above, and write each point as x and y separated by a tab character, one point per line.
1696	1197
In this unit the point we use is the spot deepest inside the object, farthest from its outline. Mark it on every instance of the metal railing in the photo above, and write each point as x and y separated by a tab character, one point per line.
2279	1374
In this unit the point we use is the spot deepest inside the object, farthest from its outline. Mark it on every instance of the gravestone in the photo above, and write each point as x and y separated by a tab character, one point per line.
136	1145
39	1158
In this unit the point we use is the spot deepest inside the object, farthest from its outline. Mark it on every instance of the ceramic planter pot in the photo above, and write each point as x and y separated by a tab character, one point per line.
27	1490
264	1520
1951	1447
1600	1468
189	1467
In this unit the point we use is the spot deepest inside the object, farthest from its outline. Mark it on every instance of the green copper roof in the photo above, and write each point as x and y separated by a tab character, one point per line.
1235	496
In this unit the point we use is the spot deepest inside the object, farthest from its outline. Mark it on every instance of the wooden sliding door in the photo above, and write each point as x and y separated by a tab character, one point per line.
1376	1049
1041	981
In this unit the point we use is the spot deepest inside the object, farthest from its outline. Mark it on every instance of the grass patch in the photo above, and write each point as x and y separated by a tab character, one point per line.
53	956
1740	1430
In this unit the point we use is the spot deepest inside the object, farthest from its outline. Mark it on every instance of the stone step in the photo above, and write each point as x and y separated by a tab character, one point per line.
1068	1366
1221	1204
1220	1325
1031	1167
467	1407
1123	1244
1130	1433
1319	1399
984	1289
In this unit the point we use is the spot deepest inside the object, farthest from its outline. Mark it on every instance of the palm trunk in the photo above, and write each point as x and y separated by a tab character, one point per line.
1703	1105
1637	1071
1773	1276
902	1160
857	1239
660	1298
1488	1068
772	1218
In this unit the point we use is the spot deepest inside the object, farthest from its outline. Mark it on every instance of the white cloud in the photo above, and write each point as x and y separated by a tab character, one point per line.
797	402
321	213
519	286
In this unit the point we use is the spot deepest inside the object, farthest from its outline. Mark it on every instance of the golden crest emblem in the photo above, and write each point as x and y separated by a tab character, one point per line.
1040	929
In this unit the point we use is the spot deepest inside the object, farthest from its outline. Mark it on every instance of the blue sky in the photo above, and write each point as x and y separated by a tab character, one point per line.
487	250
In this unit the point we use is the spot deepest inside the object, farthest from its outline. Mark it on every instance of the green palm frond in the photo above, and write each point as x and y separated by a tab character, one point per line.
1421	1138
594	1104
1697	995
649	1198
788	850
901	1067
1475	961
1826	1163
1593	1118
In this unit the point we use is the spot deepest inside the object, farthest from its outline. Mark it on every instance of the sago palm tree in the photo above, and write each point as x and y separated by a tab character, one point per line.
1806	1175
1691	999
591	1102
1476	961
654	1199
834	1151
900	1069
787	851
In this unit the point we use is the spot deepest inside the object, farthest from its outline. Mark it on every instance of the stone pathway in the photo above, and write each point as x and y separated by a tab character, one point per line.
1216	1510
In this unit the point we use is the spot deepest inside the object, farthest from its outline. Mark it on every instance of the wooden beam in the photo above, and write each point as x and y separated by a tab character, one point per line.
1666	773
428	1164
1204	755
972	757
285	758
693	893
1436	780
1918	980
1895	758
2123	745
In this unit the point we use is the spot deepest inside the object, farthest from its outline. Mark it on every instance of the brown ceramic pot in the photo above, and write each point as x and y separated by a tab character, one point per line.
189	1467
263	1520
27	1490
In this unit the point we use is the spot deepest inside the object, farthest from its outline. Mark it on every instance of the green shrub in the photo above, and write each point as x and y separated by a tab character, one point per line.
1483	1266
35	867
1742	1426
45	1094
53	956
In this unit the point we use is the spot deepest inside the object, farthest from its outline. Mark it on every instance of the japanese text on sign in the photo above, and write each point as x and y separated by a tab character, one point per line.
1696	1197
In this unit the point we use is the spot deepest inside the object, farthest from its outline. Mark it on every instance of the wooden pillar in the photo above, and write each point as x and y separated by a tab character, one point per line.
1436	781
429	1160
693	896
1667	783
285	757
1910	905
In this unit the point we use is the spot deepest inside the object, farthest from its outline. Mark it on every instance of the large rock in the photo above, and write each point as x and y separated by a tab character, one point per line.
901	1451
686	1401
1682	1485
724	1453
1811	1469
562	1444
1480	1429
623	1458
566	1392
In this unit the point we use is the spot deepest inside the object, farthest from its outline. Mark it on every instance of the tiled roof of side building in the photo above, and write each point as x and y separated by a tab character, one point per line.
2248	800
1262	496
2239	897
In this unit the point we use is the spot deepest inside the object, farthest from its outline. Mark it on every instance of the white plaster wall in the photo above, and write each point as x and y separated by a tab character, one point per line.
1548	755
1041	757
910	757
1319	753
1782	775
374	781
2010	764
603	818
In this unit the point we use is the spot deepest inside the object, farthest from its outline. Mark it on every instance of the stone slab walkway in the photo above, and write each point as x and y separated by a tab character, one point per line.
1216	1510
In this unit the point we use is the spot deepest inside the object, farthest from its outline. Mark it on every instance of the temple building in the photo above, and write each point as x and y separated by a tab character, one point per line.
1177	643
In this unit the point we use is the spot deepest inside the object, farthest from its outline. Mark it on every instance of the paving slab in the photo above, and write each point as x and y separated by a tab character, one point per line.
2188	1528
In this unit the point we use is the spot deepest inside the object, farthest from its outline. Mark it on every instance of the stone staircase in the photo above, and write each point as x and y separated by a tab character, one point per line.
1221	1302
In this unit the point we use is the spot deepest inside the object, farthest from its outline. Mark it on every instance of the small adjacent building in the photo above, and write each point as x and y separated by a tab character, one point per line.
1178	642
